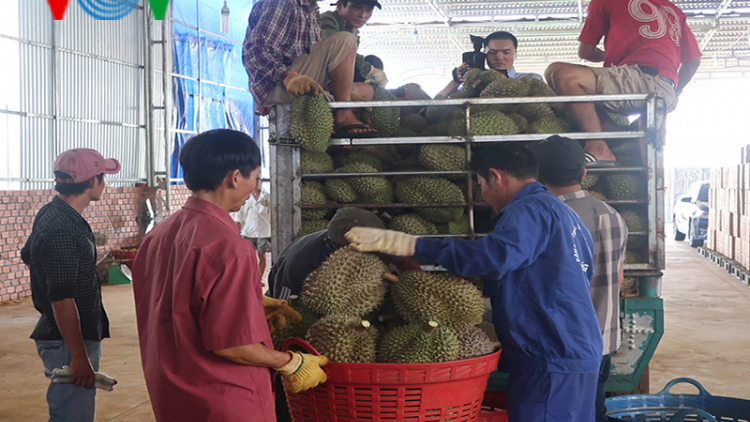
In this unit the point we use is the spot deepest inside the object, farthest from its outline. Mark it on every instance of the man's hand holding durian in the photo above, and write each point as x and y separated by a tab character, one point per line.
368	239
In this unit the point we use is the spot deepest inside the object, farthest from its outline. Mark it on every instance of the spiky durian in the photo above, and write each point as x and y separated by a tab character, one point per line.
625	187
402	132
589	180
414	122
357	156
634	221
315	162
312	122
344	338
548	124
423	189
461	226
442	157
439	113
475	80
520	121
492	123
313	193
384	119
292	329
412	224
419	343
533	111
347	282
413	91
473	342
371	189
629	283
447	299
598	195
341	191
505	87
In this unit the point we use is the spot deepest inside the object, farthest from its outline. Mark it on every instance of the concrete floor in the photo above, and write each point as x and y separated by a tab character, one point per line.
707	313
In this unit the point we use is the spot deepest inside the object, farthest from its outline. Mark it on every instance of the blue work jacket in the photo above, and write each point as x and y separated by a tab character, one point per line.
536	265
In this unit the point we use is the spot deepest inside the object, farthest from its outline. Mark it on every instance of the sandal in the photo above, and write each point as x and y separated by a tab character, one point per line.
346	132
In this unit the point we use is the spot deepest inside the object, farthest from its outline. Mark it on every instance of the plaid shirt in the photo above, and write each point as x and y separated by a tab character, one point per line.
277	33
610	236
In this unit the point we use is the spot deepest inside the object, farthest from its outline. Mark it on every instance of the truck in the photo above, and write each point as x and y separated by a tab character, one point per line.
641	306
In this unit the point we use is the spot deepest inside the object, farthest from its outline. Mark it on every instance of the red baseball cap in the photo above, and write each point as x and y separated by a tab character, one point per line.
82	164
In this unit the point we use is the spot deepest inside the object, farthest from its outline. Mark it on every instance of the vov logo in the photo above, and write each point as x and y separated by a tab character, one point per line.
107	9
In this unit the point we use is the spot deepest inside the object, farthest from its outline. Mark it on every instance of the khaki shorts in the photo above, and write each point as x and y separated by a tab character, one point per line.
631	80
260	243
324	56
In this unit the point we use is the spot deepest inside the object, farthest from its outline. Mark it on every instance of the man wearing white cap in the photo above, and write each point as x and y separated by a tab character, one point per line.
61	255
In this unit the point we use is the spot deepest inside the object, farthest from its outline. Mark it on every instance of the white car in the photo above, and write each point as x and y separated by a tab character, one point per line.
691	214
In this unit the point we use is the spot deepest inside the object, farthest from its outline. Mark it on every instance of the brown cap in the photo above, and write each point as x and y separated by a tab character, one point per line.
347	218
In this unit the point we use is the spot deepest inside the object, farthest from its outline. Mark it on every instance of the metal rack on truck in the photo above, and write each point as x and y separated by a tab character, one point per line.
641	315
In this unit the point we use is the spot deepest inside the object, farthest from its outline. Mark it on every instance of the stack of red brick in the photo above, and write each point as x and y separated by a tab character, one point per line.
729	215
17	211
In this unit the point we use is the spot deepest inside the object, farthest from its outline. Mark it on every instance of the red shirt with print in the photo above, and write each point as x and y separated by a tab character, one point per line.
197	290
651	33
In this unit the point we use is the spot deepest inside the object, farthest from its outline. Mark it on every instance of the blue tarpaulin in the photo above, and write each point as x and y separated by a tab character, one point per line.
220	99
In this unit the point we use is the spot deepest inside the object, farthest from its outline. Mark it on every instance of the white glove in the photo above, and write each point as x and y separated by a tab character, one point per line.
101	381
377	77
368	239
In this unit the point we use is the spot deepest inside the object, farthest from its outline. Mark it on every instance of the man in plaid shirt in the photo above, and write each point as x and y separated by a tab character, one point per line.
285	57
562	164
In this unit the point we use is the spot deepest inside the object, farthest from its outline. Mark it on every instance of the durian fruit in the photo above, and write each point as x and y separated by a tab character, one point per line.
625	186
292	329
520	121
506	87
476	80
423	189
341	191
492	122
538	88
598	195
447	299
619	119
414	122
437	129
548	124
402	132
313	193
533	111
419	343
344	338
371	189
473	343
632	257
413	91
442	157
438	113
384	153
461	226
634	221
629	283
412	224
312	122
313	226
384	119
589	180
628	153
315	162
347	282
637	244
357	156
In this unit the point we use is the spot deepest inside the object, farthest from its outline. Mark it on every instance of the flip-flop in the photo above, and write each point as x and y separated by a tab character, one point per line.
344	132
593	162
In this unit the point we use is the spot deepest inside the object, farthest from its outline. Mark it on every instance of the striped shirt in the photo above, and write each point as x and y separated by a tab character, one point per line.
277	33
610	236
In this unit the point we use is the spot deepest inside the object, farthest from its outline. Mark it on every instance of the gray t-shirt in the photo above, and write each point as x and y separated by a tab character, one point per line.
610	236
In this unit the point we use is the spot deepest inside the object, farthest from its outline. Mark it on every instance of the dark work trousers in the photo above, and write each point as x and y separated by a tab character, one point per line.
601	409
282	409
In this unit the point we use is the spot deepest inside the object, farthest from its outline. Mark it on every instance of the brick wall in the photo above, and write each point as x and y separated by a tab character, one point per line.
17	211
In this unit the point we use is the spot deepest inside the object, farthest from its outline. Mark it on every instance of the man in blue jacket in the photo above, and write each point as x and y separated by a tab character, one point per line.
536	266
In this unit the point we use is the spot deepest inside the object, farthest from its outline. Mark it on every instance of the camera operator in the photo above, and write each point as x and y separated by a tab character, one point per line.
500	49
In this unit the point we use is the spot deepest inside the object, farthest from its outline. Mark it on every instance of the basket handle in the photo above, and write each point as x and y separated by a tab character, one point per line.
680	416
701	391
296	341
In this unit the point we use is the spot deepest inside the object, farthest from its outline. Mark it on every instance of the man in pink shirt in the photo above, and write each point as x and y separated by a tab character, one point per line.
648	48
205	344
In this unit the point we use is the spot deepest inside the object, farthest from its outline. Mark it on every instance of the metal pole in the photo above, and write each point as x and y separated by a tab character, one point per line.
148	81
166	46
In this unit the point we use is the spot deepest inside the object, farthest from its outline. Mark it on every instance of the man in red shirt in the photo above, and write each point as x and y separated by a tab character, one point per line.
205	344
648	47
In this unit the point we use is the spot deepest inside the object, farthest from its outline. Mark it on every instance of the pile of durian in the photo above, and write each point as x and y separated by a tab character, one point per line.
352	314
312	124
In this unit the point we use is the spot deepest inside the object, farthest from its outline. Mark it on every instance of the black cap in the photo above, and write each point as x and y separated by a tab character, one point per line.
372	2
347	218
558	156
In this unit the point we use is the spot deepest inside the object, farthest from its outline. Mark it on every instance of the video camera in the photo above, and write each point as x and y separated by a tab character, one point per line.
475	58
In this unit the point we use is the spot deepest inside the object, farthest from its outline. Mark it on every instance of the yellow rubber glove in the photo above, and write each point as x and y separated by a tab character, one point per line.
303	372
376	77
277	312
368	239
298	85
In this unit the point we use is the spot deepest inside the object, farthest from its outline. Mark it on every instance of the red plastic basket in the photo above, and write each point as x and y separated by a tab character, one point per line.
493	407
425	392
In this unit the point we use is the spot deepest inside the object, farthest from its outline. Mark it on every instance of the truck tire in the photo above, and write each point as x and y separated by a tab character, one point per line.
678	235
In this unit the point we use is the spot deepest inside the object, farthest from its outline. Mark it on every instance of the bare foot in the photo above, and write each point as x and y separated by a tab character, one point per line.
600	150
